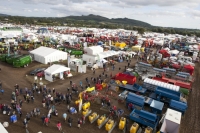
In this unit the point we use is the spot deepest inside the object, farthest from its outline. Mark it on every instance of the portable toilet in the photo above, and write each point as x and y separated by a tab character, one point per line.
171	122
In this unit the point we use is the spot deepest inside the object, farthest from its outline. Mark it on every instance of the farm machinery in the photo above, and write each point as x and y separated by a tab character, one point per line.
86	109
135	128
122	124
137	101
101	121
110	125
93	117
144	118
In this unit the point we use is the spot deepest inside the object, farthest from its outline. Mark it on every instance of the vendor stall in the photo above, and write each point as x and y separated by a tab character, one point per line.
52	71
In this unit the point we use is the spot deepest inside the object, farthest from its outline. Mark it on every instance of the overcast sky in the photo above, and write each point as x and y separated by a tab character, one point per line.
167	13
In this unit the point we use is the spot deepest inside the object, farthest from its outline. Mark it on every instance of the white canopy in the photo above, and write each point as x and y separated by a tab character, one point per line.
107	54
174	52
45	55
54	69
94	50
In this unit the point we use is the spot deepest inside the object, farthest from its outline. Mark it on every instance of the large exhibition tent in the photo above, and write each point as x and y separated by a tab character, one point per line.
45	55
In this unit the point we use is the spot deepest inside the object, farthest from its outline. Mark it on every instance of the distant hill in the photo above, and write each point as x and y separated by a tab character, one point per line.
100	19
4	14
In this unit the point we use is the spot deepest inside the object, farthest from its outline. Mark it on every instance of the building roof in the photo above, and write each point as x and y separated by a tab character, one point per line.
45	51
54	69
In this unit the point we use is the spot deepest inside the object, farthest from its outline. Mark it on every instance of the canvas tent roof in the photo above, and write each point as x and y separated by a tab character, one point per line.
44	51
93	50
56	69
107	54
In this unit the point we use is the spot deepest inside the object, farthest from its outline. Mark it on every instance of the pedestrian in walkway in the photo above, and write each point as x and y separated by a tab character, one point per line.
79	123
65	116
70	121
113	67
25	122
46	121
59	126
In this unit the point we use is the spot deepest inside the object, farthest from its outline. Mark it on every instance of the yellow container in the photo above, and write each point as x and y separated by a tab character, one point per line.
101	120
85	112
122	123
134	128
109	124
92	116
148	130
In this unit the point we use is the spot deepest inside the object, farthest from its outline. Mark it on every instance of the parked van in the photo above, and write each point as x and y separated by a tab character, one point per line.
23	61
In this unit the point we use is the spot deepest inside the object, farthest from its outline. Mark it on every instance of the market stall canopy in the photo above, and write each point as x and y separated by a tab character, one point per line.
54	69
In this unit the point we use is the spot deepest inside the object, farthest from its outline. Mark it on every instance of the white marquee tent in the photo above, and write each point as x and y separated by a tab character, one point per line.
93	50
45	55
55	69
108	54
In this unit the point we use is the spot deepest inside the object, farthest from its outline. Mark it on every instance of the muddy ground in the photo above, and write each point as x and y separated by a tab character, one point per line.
11	76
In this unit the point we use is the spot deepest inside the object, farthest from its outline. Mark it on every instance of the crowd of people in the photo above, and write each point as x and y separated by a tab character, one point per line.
50	99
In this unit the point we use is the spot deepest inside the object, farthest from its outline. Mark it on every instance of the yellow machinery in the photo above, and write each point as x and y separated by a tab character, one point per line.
142	49
104	85
124	82
136	48
117	82
101	121
80	96
122	124
86	106
90	89
93	117
148	130
134	128
120	45
110	125
86	109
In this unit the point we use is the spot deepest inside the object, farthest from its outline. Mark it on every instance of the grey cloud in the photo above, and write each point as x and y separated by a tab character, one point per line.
195	13
125	3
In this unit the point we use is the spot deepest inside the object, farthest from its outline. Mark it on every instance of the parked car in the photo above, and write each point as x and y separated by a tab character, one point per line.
37	70
40	74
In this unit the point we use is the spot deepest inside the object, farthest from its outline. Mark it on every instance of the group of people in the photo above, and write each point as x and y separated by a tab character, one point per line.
50	99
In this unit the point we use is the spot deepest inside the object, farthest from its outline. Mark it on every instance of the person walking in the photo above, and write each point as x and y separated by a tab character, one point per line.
70	121
65	116
46	121
25	122
79	123
59	126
